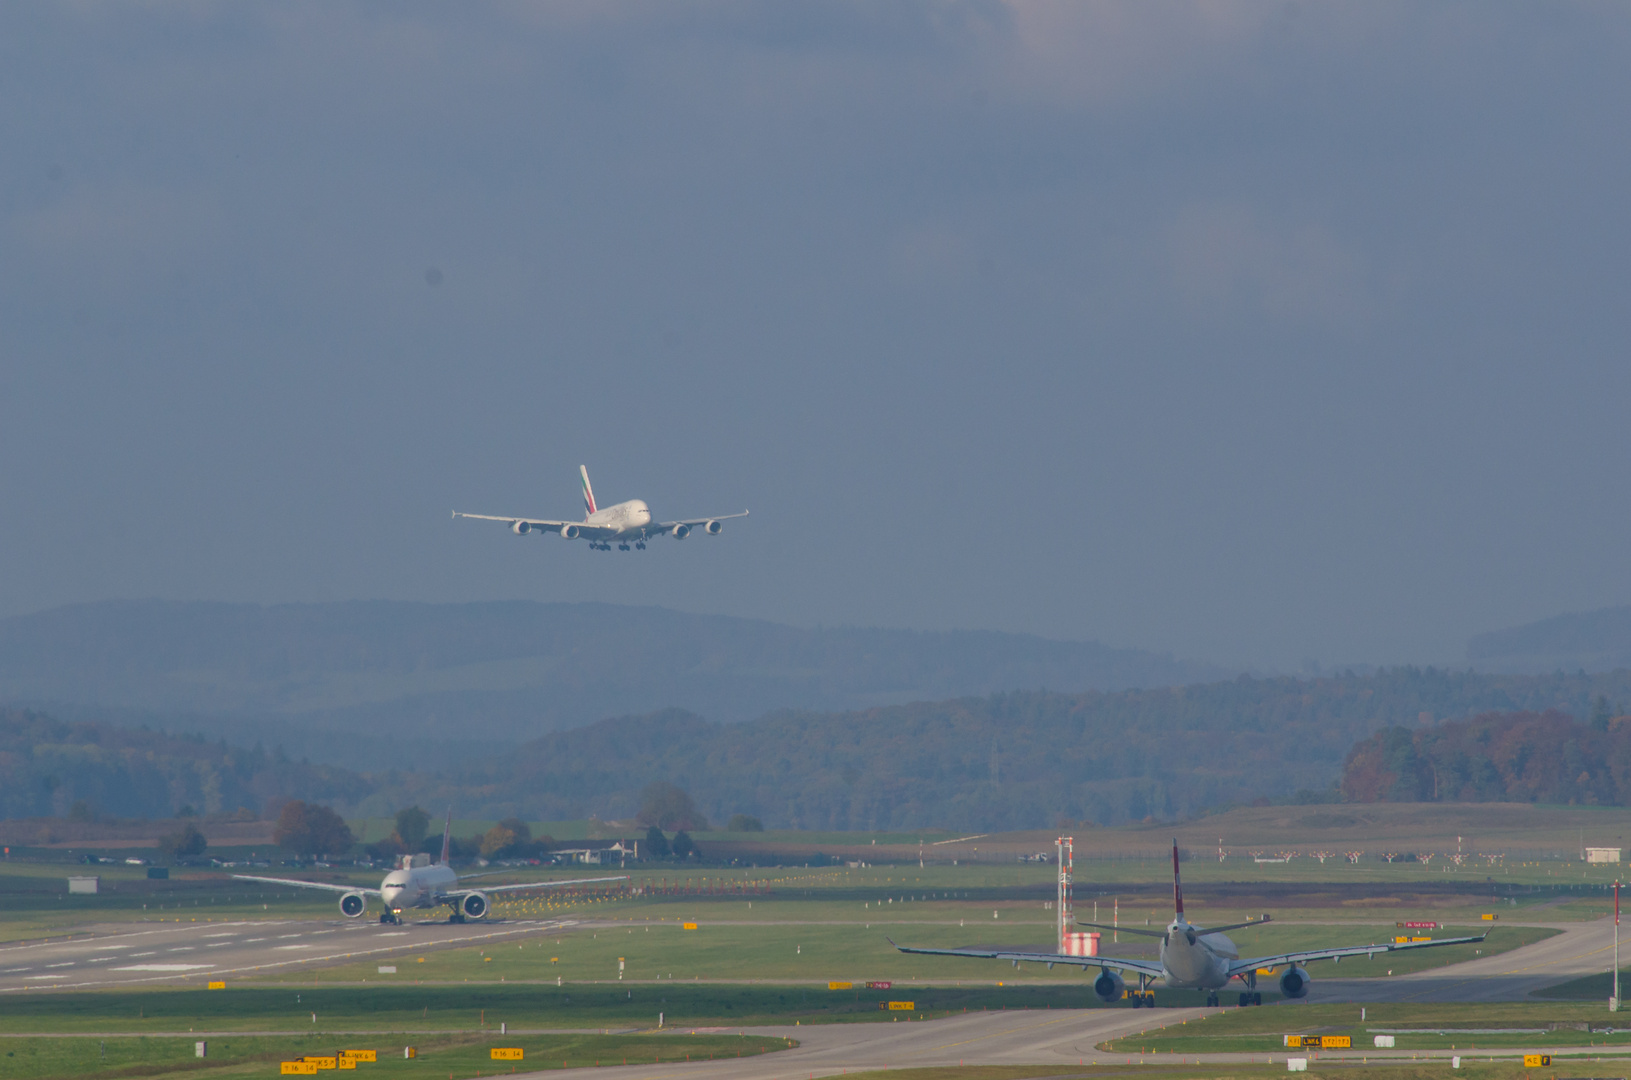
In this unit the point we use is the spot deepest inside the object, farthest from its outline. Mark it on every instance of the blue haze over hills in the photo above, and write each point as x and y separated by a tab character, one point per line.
1590	641
375	683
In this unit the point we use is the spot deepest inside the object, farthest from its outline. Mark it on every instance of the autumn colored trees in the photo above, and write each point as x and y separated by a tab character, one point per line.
1544	757
310	829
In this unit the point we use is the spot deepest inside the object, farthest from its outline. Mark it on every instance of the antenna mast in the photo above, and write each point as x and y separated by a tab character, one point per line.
1067	862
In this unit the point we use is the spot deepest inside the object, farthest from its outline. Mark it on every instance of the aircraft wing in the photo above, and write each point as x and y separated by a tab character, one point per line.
543	525
1252	964
698	521
449	894
326	886
690	522
1146	967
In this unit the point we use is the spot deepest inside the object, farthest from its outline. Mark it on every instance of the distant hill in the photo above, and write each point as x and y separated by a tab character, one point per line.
47	766
997	762
376	683
1590	641
1008	761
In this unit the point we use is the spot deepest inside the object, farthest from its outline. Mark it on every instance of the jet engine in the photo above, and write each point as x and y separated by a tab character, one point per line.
353	904
569	532
474	905
1109	986
681	531
713	528
1294	982
521	528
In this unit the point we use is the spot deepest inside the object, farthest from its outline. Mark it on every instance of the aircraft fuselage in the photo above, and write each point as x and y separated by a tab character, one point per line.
1196	961
417	887
626	518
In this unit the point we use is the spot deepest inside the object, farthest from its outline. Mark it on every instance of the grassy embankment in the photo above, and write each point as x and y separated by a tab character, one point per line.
1415	1026
476	1008
458	1056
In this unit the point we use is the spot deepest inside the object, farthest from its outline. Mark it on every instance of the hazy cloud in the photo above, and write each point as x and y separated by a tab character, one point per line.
994	314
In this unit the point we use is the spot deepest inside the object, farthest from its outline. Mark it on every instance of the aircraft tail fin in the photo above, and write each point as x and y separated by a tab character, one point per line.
447	835
1177	887
588	492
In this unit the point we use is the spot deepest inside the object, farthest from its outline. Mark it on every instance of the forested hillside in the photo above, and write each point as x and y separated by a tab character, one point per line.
1010	761
49	767
1006	761
1545	757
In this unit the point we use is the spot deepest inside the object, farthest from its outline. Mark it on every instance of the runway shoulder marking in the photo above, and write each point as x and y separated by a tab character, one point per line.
160	967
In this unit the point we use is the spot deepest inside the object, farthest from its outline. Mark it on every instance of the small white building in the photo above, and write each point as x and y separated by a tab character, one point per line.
86	885
1602	854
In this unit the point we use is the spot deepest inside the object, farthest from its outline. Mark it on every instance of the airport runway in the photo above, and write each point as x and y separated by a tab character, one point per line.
131	954
1581	949
189	953
1068	1037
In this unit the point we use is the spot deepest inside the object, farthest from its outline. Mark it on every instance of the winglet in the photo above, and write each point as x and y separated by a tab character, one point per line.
447	835
1177	889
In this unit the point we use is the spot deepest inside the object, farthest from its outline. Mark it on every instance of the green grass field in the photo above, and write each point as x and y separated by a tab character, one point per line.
816	950
457	1056
1263	1030
474	1008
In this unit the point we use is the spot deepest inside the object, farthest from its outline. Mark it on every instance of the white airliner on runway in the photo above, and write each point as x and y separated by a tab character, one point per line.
417	883
627	522
1194	958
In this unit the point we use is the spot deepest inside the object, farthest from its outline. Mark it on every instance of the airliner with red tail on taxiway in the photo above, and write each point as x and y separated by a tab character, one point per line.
1194	958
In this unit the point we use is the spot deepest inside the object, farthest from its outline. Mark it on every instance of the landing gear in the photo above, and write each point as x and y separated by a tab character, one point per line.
456	917
388	918
1211	999
641	544
1253	998
622	547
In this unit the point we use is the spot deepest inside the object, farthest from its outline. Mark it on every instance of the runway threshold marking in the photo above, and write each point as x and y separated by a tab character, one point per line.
508	931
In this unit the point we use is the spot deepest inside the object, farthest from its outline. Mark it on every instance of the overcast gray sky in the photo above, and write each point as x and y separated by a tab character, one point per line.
1256	332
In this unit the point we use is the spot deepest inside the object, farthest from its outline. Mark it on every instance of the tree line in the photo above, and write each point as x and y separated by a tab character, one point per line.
1006	761
1524	756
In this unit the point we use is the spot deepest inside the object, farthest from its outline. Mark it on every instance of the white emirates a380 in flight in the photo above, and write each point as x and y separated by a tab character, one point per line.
626	523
